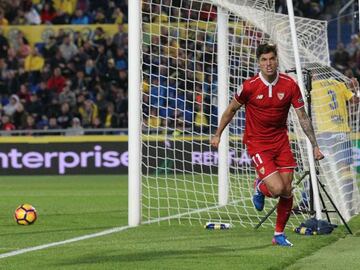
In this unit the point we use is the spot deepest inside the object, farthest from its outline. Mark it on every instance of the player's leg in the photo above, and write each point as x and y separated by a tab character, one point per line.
286	164
279	184
285	203
265	167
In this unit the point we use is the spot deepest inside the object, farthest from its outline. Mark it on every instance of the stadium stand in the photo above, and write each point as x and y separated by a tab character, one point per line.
83	75
68	77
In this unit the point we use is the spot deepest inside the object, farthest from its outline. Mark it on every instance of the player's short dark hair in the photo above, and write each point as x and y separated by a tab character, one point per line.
266	48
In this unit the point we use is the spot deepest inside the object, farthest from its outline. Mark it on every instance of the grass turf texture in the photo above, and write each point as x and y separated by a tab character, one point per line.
78	205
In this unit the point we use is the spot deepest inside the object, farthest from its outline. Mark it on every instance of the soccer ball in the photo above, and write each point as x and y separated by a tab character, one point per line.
25	214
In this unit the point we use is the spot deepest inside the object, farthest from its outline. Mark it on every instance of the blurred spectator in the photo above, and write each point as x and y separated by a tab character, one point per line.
79	83
120	38
99	17
3	20
66	6
99	37
96	123
52	124
48	12
34	106
57	60
341	57
31	15
101	102
117	16
43	123
101	59
76	129
6	124
34	61
90	71
10	108
4	44
19	18
68	49
50	47
21	45
67	96
29	124
88	112
201	121
79	17
34	64
111	119
154	121
353	46
111	73
19	116
123	79
208	12
83	5
23	94
65	116
121	60
12	9
52	108
121	102
56	82
60	17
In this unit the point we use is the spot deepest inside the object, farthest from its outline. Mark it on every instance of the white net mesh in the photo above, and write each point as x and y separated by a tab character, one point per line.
179	69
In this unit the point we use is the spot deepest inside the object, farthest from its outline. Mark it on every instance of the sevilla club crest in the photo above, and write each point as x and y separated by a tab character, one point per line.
280	95
262	170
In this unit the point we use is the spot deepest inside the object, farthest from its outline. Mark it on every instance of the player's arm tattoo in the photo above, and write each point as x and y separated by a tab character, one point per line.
306	125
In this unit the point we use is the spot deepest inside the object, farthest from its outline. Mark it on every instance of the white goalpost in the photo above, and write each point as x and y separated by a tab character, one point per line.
186	60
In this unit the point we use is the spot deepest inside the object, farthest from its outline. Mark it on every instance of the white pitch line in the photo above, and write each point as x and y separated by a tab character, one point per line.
93	235
72	240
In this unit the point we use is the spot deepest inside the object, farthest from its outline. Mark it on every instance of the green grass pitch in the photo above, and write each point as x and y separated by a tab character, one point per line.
72	206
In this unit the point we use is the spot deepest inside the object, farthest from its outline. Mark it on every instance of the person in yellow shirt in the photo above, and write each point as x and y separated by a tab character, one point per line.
67	6
330	99
34	61
33	65
88	112
201	119
154	120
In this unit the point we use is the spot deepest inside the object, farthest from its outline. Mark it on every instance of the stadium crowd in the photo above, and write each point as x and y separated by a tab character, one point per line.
67	81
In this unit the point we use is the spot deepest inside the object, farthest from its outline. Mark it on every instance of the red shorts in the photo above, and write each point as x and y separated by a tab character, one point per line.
268	160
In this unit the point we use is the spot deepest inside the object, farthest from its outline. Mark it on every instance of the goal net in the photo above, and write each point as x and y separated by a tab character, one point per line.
336	121
180	107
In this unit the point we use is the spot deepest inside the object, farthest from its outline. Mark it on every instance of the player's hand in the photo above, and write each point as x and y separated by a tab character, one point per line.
317	153
215	140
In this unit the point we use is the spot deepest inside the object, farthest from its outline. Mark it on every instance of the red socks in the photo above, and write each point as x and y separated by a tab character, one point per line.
283	213
264	190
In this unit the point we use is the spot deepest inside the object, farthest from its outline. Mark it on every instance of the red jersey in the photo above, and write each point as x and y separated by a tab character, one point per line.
267	106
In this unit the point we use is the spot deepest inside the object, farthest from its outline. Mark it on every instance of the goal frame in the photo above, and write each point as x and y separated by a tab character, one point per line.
134	134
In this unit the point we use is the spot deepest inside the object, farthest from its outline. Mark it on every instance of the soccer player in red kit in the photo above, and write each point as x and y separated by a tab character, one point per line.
267	98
